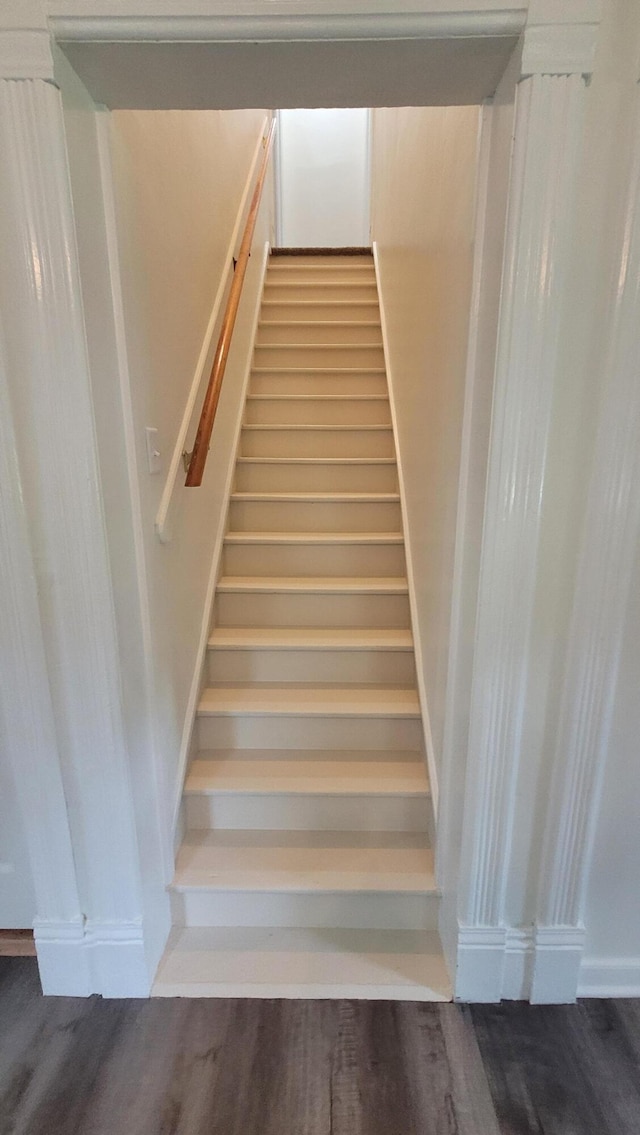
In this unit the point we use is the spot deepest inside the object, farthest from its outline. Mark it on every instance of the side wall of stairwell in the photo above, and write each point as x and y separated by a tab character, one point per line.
178	183
145	319
423	184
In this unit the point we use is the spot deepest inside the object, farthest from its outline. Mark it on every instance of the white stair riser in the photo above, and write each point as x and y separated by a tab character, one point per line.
317	443
321	273
305	355
314	516
300	309
314	559
318	331
300	812
264	609
321	260
272	908
268	477
274	732
312	290
306	382
355	667
342	412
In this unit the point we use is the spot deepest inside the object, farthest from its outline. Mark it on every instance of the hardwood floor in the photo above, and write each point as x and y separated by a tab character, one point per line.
240	1067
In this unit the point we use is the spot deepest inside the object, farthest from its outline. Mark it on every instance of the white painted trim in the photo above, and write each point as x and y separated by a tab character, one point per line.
480	958
63	962
203	365
277	182
413	602
25	53
558	950
77	959
609	977
29	741
196	681
102	121
548	133
139	26
560	49
608	548
63	499
503	963
518	963
446	852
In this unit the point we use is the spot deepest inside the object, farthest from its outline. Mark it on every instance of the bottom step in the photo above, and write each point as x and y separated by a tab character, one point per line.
388	965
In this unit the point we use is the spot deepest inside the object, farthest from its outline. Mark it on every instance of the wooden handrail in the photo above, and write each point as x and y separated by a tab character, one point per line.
212	396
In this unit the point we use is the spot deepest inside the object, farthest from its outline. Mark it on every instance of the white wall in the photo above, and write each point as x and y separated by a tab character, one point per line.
178	179
612	915
177	184
423	181
17	896
612	907
323	178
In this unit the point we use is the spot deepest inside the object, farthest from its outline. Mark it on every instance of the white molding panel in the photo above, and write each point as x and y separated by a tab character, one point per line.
51	399
549	114
152	21
548	129
609	542
29	739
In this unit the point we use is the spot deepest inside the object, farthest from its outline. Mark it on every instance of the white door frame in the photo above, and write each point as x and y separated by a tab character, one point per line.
59	603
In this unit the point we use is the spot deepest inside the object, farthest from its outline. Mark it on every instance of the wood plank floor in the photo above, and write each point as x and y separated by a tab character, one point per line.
242	1067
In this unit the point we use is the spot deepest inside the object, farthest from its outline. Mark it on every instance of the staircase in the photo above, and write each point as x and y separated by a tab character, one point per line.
306	869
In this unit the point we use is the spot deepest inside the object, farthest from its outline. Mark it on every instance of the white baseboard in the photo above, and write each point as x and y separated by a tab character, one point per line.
609	977
63	961
79	959
480	957
413	603
540	964
518	964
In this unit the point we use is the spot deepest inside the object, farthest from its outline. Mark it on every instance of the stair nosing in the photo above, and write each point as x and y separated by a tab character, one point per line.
331	585
351	371
316	460
304	498
319	323
317	398
318	346
339	643
251	537
245	704
320	303
388	426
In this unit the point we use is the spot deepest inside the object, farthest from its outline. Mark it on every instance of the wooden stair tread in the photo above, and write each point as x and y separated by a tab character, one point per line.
317	398
311	638
290	962
309	461
338	498
308	776
379	585
247	537
349	371
386	426
309	701
308	861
